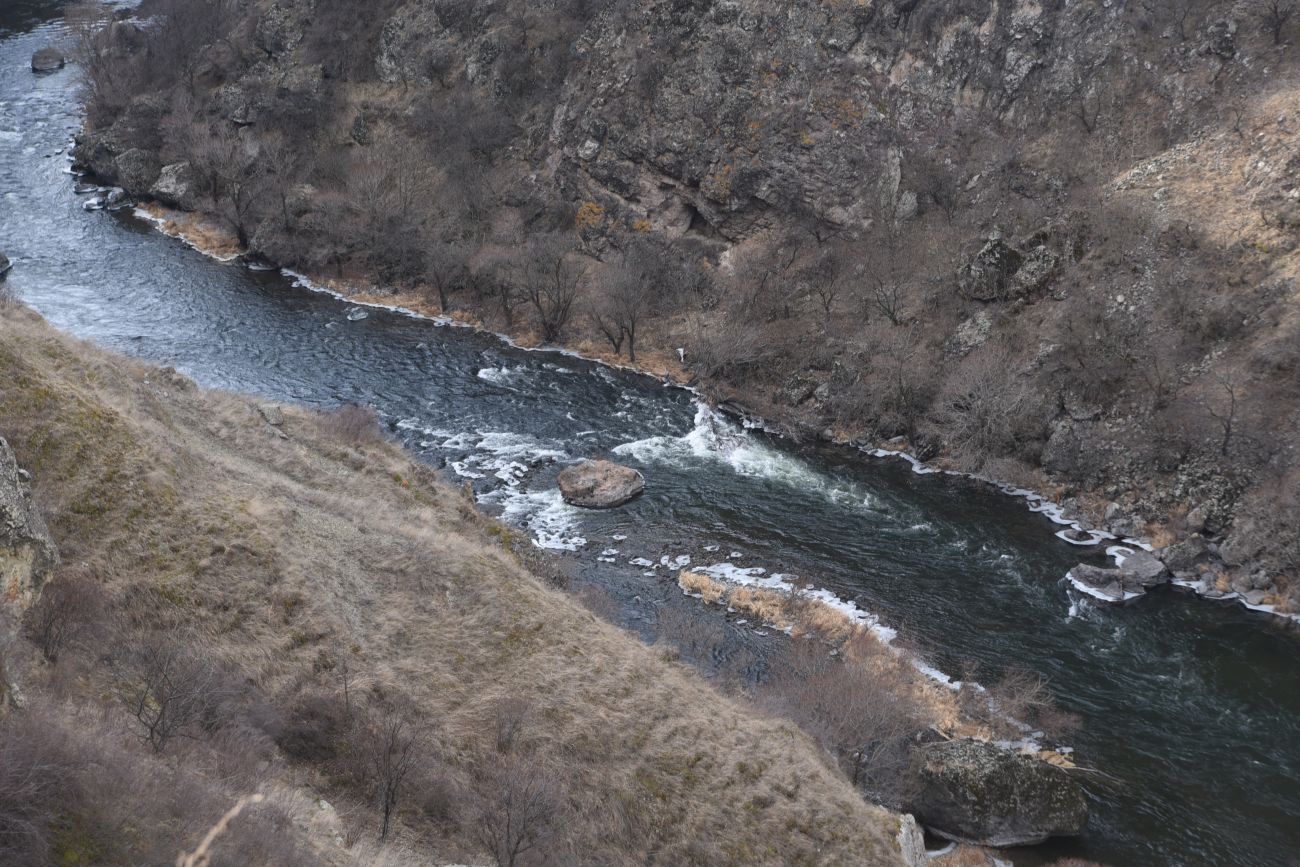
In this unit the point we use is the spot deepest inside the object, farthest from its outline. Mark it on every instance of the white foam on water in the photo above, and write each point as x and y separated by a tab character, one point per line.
552	522
503	376
641	561
715	438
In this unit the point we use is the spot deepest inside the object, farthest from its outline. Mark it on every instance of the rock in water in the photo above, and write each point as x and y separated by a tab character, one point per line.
48	60
975	792
27	553
600	484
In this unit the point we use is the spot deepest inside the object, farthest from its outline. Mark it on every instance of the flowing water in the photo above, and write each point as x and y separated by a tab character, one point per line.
1191	708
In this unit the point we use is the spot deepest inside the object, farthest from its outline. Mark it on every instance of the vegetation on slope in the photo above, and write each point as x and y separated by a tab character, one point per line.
301	609
881	220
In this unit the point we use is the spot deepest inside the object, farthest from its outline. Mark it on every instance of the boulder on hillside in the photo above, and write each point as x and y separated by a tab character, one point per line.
48	60
176	187
5	265
976	792
599	484
987	275
27	553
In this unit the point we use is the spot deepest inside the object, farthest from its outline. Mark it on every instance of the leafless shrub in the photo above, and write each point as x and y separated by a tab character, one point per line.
71	607
552	277
315	724
512	716
386	748
352	424
516	810
863	715
984	404
693	633
169	688
34	783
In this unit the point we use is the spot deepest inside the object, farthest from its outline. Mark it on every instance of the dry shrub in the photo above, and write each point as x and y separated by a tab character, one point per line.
697	582
694	635
352	424
767	605
816	617
35	787
517	812
865	716
71	607
171	688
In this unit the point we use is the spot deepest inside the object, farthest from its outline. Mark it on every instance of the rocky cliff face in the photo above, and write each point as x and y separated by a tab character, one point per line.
1015	234
27	553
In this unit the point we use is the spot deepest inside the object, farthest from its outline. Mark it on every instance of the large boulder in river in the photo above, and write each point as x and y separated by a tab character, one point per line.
177	187
27	553
48	60
979	793
599	484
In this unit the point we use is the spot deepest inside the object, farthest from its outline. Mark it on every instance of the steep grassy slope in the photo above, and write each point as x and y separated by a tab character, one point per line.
317	567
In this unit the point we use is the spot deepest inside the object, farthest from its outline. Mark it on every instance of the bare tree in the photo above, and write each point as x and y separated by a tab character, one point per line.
516	810
167	688
1225	410
235	176
628	298
1274	16
551	282
389	749
445	270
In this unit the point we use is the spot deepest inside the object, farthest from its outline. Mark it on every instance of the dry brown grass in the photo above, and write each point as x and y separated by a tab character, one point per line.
286	556
806	617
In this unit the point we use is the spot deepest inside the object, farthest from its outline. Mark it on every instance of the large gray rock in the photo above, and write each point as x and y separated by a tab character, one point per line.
1142	569
27	553
176	187
48	60
137	170
599	484
975	792
1106	582
987	276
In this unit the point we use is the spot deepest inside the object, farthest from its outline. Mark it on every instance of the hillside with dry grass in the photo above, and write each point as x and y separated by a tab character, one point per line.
255	599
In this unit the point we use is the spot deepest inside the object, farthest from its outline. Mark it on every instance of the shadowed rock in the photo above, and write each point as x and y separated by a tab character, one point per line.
27	552
976	792
600	484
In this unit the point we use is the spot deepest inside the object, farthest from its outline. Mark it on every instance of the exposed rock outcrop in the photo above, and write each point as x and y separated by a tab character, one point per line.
176	186
5	265
27	553
599	484
976	792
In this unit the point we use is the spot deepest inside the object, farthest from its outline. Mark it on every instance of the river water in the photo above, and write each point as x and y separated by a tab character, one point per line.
1191	708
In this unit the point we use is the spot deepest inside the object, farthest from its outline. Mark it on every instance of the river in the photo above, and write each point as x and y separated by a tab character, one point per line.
1191	708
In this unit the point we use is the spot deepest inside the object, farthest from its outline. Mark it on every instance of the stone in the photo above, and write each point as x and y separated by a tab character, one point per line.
48	60
1035	273
986	276
5	265
599	484
1142	569
1184	556
27	553
979	793
176	186
137	171
1107	582
271	414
